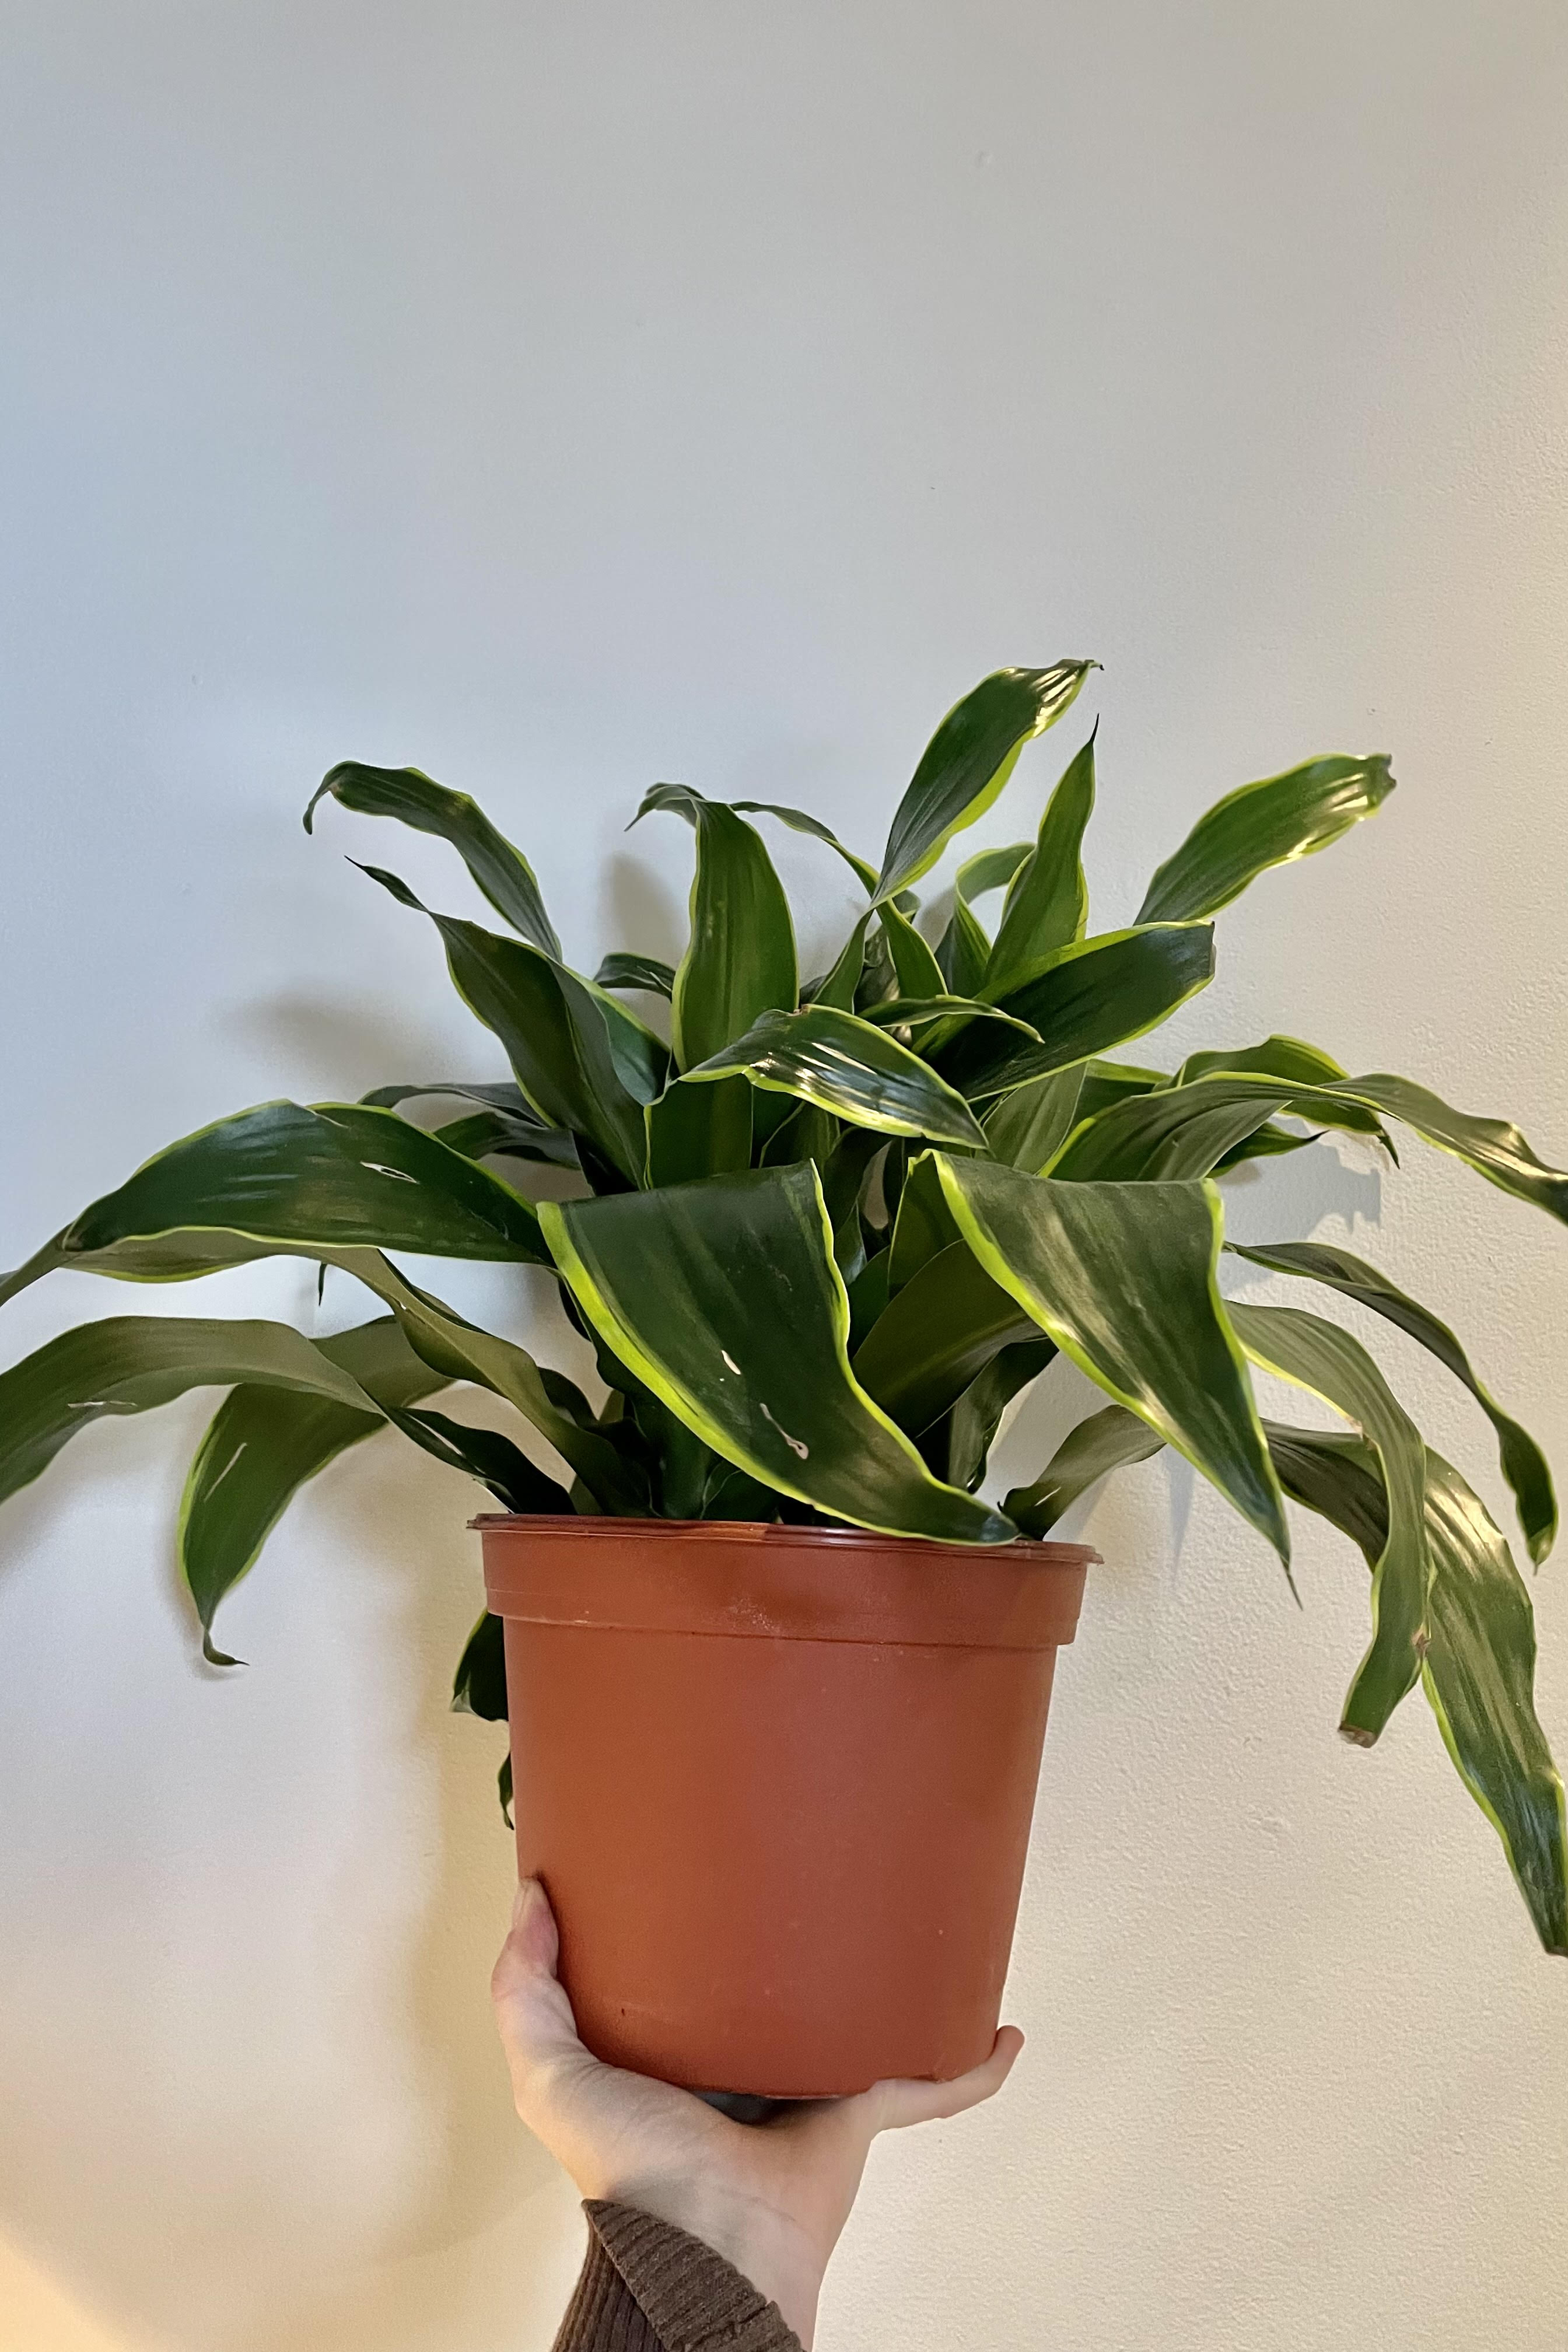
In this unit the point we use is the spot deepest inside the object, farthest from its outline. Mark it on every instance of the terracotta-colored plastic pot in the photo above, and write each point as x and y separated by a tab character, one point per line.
777	1782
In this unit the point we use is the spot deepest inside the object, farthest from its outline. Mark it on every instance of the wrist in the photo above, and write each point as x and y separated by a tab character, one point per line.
771	2251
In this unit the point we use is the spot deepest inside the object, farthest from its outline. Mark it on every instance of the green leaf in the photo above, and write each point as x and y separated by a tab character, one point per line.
1048	904
1523	1463
1026	1127
968	761
1107	1441
1479	1669
159	1257
1263	825
1108	1082
485	1454
502	873
302	1182
1097	994
1122	1277
1169	1134
583	1062
923	1224
698	1130
849	1067
479	1686
644	973
611	1472
964	948
1330	1364
799	822
918	971
1290	1058
923	1013
1494	1148
935	1335
972	1423
130	1363
724	1300
990	870
740	961
484	1132
265	1442
837	988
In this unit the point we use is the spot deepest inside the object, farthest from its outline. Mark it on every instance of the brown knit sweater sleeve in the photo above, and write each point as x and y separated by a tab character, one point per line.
647	2286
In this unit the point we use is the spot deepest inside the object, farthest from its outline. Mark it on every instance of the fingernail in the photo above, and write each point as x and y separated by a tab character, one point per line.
527	1889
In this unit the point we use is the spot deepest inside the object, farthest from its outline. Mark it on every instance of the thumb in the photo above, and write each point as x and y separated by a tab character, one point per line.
531	2008
896	2103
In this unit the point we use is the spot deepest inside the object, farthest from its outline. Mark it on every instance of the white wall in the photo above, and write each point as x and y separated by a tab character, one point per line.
562	398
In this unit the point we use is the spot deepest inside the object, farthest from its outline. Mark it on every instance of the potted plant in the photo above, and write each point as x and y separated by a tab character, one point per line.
774	1663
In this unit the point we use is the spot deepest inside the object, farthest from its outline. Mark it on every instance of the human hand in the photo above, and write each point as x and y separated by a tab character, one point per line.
771	2197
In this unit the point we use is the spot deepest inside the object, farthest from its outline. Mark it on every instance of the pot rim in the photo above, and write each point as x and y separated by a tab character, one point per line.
572	1525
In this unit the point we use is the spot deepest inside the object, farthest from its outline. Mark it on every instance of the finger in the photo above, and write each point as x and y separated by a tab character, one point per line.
902	2102
531	2008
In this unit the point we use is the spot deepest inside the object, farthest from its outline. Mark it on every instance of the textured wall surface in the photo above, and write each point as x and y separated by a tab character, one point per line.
565	398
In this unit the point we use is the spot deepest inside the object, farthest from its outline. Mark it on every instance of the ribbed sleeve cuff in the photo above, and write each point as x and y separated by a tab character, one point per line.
647	2286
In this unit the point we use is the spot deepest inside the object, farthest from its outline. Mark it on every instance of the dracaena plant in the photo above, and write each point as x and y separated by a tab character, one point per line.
824	1237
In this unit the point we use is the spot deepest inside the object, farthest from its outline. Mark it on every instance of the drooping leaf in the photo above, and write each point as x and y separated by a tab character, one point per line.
935	1337
1480	1668
1107	1441
610	1471
968	761
799	822
1026	1127
1325	1361
724	1300
849	1067
1097	994
1263	825
696	1129
639	972
1290	1057
584	1063
1523	1463
502	873
265	1442
486	1454
479	1686
1494	1148
740	960
1048	904
296	1181
1122	1277
130	1363
157	1257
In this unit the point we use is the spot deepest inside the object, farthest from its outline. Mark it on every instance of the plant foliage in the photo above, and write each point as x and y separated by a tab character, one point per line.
823	1238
